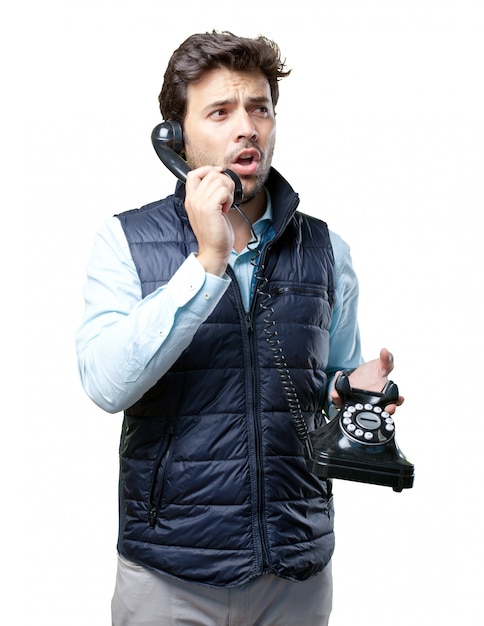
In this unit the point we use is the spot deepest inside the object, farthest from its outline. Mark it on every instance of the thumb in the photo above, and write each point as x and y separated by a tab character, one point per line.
386	362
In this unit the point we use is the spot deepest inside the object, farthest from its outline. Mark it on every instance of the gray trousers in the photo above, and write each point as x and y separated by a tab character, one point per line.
143	597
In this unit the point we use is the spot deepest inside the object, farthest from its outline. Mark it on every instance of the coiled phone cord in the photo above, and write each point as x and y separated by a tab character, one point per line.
280	362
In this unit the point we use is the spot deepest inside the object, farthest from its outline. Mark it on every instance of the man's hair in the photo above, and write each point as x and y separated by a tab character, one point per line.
204	52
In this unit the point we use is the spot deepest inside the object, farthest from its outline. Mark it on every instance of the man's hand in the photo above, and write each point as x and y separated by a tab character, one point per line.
209	196
371	376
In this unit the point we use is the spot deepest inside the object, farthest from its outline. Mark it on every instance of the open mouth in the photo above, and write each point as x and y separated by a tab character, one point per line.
246	162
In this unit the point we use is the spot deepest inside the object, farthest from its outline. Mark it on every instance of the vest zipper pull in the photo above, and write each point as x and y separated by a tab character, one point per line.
152	517
248	323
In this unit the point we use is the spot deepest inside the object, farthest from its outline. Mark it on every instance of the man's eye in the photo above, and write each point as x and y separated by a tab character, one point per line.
219	113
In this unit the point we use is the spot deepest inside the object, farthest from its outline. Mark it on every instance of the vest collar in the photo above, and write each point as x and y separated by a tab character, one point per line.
284	200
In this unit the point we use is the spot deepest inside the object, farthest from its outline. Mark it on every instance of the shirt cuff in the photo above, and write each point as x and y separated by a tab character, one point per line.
192	287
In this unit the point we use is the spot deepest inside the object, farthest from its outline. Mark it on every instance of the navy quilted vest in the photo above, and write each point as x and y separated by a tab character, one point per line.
214	486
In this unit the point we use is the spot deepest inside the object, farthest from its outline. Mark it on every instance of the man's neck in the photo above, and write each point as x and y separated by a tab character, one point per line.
253	210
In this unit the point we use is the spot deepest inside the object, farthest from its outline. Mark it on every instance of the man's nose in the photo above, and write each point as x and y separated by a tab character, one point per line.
245	127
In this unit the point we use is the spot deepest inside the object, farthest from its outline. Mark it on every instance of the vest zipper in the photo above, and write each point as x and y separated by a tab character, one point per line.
157	482
257	417
258	451
248	317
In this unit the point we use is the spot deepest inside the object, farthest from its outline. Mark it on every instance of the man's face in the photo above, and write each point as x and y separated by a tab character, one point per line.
230	122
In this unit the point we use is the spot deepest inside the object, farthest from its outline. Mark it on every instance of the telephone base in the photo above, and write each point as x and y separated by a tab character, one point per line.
334	456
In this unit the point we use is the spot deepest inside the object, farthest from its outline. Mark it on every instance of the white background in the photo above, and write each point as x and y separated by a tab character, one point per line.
380	129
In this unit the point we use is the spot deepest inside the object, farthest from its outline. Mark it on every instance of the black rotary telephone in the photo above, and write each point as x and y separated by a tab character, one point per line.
359	443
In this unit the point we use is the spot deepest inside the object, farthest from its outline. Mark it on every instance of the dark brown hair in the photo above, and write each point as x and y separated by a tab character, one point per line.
203	52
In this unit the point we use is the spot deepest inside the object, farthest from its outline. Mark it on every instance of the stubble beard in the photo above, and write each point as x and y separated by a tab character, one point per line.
252	185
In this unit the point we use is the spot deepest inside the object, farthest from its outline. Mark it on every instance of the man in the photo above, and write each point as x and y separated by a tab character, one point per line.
210	327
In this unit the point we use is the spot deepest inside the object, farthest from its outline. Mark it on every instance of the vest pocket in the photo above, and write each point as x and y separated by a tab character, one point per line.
301	289
158	478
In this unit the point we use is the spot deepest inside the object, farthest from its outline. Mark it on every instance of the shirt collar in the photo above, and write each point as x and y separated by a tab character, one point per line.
267	215
263	223
262	228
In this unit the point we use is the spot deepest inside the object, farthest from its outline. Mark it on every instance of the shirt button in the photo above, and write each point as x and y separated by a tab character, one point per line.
206	296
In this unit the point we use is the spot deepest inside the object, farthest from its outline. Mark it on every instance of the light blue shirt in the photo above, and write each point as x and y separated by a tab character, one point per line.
125	343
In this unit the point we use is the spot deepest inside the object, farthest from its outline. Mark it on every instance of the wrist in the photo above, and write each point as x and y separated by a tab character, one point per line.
212	265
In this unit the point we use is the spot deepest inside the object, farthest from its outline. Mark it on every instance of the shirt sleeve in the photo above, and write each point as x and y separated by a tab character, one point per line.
344	341
125	343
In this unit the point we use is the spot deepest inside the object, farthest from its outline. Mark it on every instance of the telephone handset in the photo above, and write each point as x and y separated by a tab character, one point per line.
359	443
167	140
